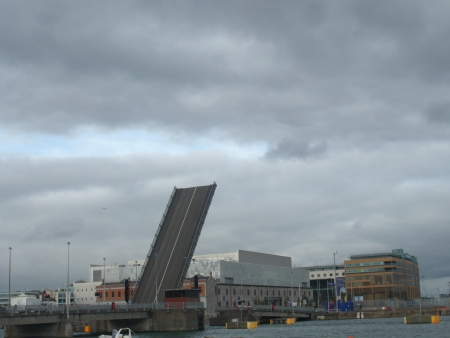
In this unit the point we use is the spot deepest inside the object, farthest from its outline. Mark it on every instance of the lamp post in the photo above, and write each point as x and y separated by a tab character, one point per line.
292	295
252	291
136	270
104	280
68	286
156	278
9	286
424	288
335	285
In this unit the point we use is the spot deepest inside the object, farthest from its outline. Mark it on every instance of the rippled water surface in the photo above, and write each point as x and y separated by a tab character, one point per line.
367	328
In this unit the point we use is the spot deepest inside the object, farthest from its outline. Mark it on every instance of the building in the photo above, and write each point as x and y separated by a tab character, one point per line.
62	295
116	272
322	279
382	275
114	292
5	296
207	286
247	267
244	278
84	292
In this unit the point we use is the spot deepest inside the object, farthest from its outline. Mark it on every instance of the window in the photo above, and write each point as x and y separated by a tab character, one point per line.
119	294
312	275
106	294
112	294
234	292
318	275
331	275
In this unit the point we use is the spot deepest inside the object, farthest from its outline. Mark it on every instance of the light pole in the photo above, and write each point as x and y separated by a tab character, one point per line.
9	289
335	285
252	291
292	295
424	288
156	278
68	287
104	279
136	270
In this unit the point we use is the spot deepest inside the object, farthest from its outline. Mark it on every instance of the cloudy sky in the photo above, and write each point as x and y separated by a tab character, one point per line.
325	125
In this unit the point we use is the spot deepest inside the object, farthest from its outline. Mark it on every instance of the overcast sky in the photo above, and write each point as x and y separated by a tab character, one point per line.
325	125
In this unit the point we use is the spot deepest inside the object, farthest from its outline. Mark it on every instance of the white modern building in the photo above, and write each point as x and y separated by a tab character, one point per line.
116	272
84	292
247	267
244	278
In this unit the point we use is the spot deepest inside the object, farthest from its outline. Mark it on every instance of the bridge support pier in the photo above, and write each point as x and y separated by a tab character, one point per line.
57	330
106	326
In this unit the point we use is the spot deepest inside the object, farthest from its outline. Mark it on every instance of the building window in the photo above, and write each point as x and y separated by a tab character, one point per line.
119	294
318	275
106	294
312	276
234	292
112	294
226	292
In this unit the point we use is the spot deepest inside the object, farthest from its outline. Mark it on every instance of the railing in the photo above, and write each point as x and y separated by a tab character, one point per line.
113	307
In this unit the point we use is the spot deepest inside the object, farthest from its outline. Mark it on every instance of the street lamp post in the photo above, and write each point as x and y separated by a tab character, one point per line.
335	285
136	270
252	291
104	279
156	278
9	285
68	287
292	295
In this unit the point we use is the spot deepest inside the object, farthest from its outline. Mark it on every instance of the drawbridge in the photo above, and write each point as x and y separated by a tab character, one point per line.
172	249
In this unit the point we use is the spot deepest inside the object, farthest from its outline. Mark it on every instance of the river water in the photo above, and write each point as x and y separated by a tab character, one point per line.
363	328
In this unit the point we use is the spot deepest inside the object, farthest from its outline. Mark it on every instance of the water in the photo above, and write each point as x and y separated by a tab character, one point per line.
365	328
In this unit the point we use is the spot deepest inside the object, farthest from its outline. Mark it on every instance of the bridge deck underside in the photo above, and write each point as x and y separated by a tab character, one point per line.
175	243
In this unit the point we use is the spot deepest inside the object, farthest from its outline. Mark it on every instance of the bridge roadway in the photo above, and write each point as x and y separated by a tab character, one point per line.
36	321
174	243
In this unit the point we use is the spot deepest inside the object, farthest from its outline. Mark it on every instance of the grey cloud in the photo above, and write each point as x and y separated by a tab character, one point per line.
355	93
439	113
290	149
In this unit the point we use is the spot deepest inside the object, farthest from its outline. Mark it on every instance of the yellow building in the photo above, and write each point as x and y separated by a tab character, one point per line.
382	276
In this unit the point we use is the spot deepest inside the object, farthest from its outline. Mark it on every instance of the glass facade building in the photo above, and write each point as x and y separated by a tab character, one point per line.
382	276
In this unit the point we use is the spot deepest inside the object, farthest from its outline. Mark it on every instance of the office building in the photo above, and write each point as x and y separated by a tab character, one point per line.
382	275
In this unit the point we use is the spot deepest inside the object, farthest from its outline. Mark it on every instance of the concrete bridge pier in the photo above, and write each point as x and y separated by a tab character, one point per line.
106	326
57	330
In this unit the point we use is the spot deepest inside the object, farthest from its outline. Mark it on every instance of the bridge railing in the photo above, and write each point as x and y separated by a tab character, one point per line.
86	308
